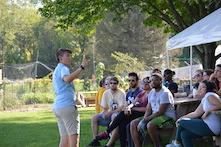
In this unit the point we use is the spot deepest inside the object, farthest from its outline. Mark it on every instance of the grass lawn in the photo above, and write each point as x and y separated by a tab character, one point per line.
39	129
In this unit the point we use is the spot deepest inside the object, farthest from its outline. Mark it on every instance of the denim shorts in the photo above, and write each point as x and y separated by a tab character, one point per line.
102	121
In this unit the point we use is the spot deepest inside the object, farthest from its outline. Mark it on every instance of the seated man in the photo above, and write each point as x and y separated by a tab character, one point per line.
168	81
113	101
160	112
137	100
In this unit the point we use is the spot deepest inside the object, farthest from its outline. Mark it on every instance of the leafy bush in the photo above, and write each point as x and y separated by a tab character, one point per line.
41	98
9	101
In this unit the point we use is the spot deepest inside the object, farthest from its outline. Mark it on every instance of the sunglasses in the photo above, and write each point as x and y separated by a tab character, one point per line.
131	80
197	75
146	83
114	83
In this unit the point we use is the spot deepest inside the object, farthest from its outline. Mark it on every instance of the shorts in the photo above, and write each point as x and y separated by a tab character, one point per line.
161	121
68	121
105	121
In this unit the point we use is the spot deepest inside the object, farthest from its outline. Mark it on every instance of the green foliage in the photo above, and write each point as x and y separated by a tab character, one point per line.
18	34
9	101
87	84
126	63
24	34
99	72
123	82
13	95
37	98
172	16
129	35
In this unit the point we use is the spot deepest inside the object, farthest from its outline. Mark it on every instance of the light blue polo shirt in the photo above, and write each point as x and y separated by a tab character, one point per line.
64	92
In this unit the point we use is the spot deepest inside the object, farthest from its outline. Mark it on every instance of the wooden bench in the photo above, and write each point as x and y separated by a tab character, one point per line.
217	138
166	136
86	98
182	107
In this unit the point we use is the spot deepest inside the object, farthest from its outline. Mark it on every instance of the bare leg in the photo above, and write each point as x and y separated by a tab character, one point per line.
134	132
114	137
74	140
94	125
153	132
64	141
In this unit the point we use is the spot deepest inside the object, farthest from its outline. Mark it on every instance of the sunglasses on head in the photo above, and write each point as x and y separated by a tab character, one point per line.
146	81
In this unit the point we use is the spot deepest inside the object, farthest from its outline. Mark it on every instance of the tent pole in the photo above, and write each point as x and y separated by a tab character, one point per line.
191	65
168	58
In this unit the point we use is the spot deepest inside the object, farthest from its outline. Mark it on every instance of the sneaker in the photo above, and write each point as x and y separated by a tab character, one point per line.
173	144
94	143
102	136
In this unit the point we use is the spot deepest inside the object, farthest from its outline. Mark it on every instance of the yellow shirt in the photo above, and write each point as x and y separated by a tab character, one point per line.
98	99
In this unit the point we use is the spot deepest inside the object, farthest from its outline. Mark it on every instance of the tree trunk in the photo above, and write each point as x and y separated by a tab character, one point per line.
209	60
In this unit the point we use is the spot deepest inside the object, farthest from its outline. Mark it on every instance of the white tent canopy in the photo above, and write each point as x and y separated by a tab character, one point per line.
204	31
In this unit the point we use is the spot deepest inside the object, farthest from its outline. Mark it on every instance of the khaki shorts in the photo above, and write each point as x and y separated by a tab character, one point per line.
68	121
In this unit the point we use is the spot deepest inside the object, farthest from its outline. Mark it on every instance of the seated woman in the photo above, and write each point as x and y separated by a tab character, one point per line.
99	95
207	73
201	122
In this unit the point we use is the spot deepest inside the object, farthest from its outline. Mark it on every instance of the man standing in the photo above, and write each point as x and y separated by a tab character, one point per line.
65	101
112	102
160	110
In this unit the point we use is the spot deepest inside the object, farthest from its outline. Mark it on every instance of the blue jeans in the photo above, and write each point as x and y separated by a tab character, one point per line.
190	129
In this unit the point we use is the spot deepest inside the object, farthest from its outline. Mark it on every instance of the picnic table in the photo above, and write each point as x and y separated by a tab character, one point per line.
185	105
86	98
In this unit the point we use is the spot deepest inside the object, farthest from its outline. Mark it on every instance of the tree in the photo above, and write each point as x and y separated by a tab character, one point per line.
24	34
99	72
17	39
173	16
126	63
129	35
